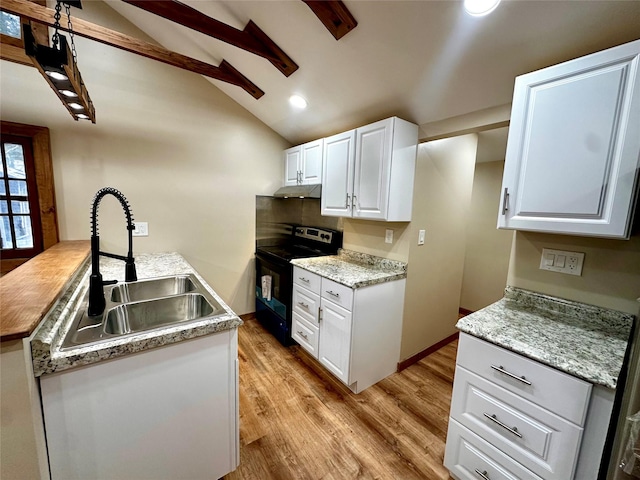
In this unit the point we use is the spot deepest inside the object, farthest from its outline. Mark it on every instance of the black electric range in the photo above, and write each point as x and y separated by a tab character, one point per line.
274	275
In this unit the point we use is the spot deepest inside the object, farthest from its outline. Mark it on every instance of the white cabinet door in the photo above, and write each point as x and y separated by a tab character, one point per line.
335	339
573	150
292	166
311	163
166	413
372	170
337	174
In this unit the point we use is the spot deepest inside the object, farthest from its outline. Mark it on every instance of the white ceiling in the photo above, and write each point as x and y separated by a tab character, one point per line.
424	61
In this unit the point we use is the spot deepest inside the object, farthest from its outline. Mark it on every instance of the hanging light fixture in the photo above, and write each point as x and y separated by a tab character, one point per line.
58	66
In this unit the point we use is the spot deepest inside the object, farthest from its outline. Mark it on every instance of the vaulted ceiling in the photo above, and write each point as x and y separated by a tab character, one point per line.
425	61
421	60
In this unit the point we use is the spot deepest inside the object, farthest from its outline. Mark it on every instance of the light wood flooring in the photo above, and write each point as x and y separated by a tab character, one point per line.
298	422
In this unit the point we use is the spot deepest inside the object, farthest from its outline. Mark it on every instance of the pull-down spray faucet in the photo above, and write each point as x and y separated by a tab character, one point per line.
96	292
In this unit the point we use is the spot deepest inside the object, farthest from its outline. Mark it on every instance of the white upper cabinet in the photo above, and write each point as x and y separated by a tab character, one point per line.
337	179
573	152
303	164
368	173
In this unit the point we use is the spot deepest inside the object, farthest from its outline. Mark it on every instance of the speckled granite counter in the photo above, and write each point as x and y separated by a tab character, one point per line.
583	340
45	345
354	269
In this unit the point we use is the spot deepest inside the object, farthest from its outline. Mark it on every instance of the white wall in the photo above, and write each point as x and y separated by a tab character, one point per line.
442	195
487	248
189	159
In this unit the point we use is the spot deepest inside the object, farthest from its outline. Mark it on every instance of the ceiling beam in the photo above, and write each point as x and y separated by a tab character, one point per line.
225	72
251	39
335	16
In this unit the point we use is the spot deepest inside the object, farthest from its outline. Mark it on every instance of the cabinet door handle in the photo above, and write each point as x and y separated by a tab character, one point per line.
512	375
303	335
319	313
306	280
303	305
300	177
482	475
505	201
495	420
354	201
348	200
337	295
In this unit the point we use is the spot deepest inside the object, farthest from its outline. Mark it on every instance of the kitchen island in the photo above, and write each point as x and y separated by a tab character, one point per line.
535	388
160	402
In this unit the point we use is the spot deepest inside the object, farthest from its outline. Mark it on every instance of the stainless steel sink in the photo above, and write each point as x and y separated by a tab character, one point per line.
141	316
142	306
152	288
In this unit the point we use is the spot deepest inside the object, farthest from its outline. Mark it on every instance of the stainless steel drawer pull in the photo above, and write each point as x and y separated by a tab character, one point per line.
305	280
303	335
330	292
482	475
495	420
303	305
512	375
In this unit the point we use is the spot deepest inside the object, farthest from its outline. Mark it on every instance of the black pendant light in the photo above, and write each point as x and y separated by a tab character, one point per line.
58	66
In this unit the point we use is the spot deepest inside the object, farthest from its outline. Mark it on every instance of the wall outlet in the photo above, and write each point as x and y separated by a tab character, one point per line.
421	237
141	230
562	262
388	236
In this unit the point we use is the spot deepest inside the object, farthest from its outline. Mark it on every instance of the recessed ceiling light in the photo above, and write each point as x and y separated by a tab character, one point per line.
478	8
76	106
297	101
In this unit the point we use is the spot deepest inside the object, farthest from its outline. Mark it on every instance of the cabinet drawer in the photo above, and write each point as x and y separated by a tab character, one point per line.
337	293
305	333
559	392
306	304
306	279
543	442
468	457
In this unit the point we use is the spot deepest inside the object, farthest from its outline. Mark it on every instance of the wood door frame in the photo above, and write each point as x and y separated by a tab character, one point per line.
43	164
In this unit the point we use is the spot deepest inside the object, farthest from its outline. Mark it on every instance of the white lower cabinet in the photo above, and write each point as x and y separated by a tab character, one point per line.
166	413
514	418
354	334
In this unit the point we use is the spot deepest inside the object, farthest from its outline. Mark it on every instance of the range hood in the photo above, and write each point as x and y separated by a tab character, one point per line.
299	191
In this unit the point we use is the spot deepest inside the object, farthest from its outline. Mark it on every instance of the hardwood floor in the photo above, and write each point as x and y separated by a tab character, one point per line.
298	422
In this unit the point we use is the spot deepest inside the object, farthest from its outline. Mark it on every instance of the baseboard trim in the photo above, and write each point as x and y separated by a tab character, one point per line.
464	312
427	351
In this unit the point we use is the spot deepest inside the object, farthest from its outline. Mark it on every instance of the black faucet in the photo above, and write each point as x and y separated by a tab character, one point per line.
96	292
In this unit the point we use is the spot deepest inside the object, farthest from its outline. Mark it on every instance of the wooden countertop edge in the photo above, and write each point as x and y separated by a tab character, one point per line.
28	292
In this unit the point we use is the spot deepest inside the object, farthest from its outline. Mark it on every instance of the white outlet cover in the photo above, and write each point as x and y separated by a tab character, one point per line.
141	230
571	261
388	236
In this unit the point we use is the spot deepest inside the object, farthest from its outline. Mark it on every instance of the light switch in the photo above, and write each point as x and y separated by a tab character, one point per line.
549	258
388	236
421	237
141	229
560	260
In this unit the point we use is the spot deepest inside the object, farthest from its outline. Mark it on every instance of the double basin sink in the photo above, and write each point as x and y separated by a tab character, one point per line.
142	306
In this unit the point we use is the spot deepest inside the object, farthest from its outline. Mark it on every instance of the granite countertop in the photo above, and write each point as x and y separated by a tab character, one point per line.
354	269
583	340
47	339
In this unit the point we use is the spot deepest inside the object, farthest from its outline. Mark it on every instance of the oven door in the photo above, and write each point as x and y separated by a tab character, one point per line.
274	312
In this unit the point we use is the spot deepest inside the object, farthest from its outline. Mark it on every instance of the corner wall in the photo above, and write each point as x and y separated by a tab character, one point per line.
442	194
487	249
